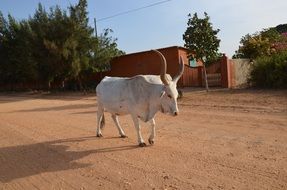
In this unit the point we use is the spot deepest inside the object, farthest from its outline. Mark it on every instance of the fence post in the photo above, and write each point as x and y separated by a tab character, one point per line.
225	72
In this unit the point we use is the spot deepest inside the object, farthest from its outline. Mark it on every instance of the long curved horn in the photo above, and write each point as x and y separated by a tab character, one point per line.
181	69
163	68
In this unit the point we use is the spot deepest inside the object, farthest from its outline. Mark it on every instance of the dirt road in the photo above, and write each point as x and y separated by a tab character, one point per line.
220	140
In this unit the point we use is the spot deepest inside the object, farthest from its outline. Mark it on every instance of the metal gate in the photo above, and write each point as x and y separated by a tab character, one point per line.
213	79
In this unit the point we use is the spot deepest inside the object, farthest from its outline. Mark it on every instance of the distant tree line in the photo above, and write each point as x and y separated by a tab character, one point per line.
268	51
266	42
53	46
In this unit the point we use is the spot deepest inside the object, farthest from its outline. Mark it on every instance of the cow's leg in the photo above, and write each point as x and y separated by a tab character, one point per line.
152	135
138	129
121	131
100	115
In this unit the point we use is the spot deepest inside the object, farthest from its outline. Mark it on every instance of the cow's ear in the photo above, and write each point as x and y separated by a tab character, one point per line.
162	94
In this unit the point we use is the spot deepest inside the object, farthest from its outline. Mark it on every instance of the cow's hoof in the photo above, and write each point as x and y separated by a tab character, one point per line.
123	136
99	135
151	141
142	144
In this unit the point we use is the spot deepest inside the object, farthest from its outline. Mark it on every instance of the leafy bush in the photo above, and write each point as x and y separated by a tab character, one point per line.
265	42
270	71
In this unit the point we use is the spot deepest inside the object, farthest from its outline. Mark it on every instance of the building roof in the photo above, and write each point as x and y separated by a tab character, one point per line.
170	47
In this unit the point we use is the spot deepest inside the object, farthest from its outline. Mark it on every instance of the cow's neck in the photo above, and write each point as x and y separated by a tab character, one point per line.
155	105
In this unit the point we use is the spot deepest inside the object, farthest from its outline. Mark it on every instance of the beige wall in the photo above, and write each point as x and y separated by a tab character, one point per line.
241	72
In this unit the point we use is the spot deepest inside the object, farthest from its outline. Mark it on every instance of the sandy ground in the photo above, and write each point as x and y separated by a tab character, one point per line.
221	140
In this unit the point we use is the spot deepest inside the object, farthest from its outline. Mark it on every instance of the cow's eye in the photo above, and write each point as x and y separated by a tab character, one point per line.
169	96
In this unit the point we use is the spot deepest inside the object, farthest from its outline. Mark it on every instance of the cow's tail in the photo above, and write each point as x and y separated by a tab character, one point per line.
102	124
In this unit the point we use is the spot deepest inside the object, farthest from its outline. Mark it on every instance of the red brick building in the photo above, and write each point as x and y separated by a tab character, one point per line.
148	62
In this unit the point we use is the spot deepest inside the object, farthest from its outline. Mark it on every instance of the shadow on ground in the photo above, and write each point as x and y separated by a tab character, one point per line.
10	97
60	108
27	160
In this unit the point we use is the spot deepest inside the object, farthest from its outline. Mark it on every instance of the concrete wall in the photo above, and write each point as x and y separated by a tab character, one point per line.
241	69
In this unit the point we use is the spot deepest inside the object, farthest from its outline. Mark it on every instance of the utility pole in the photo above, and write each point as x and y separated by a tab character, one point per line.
96	32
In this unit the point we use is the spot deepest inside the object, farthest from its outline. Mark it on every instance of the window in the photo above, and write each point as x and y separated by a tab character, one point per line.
192	62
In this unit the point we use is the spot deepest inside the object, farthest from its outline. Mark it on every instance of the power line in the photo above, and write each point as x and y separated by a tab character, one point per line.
132	10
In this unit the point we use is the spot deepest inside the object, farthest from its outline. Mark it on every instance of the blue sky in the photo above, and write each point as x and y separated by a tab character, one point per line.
163	25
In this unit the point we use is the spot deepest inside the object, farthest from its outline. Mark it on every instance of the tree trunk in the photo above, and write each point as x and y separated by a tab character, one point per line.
205	78
49	85
81	85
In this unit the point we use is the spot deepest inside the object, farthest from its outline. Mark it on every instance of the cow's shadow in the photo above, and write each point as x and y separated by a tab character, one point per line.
60	108
27	160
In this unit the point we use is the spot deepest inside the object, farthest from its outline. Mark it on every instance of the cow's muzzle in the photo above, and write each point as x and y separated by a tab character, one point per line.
175	113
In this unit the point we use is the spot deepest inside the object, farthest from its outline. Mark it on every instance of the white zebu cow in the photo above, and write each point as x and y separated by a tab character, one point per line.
140	96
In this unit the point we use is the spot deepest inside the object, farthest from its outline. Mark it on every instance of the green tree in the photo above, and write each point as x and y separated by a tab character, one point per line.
17	64
104	49
270	71
53	46
281	28
200	38
83	35
40	25
61	42
3	48
259	44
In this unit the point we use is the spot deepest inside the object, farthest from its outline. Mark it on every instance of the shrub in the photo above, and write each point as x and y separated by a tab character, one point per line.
270	71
